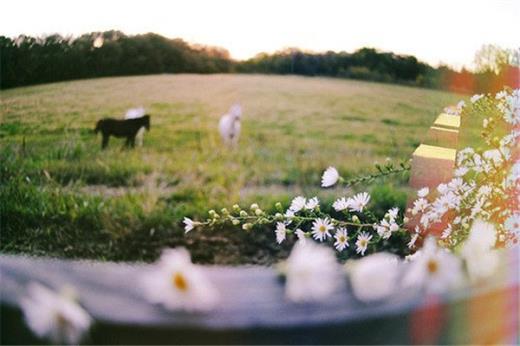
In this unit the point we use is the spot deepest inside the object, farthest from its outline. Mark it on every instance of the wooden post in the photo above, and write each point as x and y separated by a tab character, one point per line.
433	163
445	131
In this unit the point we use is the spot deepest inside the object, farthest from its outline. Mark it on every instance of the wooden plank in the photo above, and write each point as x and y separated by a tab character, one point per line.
431	166
253	307
443	137
447	121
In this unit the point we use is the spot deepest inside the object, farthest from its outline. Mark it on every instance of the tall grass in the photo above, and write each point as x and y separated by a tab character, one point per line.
62	196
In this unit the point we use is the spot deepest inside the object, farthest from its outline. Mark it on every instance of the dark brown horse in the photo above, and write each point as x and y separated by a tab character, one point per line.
127	128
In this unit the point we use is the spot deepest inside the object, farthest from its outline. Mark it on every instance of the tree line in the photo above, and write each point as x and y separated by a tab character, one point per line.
29	60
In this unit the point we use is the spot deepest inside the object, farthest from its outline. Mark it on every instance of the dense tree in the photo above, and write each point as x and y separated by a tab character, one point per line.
27	60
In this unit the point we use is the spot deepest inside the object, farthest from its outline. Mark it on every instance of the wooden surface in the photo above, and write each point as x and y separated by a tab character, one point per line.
431	165
253	307
447	121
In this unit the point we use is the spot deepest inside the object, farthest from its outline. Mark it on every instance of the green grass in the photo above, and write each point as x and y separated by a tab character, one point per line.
62	196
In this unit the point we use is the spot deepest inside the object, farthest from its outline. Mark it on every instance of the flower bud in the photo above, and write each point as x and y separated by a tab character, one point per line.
263	221
247	226
406	219
243	213
355	219
235	222
278	216
278	206
258	212
254	206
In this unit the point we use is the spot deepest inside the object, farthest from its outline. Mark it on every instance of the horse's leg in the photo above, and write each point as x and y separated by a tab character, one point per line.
104	144
132	141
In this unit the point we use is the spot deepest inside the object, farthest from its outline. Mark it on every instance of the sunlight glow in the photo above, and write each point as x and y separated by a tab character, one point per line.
434	31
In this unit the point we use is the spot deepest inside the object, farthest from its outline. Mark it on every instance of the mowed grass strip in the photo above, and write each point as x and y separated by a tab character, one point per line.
63	196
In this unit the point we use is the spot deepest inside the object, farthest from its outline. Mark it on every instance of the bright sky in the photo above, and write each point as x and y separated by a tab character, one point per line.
448	31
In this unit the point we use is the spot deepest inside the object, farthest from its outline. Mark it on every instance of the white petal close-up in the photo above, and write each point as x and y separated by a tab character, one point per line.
330	177
177	284
359	202
434	269
280	232
297	204
312	203
375	277
54	316
481	259
312	273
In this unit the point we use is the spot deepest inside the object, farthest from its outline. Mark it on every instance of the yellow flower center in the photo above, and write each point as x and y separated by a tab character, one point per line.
322	229
61	321
432	266
342	239
179	282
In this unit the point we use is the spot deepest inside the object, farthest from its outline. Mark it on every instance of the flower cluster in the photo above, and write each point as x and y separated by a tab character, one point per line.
353	226
486	181
313	273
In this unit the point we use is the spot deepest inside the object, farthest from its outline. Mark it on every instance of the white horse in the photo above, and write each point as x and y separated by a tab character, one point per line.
133	113
229	125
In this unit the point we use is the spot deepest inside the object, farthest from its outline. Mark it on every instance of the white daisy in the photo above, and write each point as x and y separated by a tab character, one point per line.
374	278
301	235
312	203
480	257
312	273
412	241
341	239
501	94
392	213
447	232
56	317
493	155
281	232
362	242
359	202
475	98
341	204
433	268
289	214
423	192
419	206
178	284
383	229
321	228
461	171
297	204
188	224
442	188
330	177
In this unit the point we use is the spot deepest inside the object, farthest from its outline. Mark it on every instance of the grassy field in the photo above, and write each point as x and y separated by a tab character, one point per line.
62	196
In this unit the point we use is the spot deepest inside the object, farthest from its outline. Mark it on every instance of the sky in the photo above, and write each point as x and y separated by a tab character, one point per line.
435	31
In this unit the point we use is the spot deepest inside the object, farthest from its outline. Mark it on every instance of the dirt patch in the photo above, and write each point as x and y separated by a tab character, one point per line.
154	184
